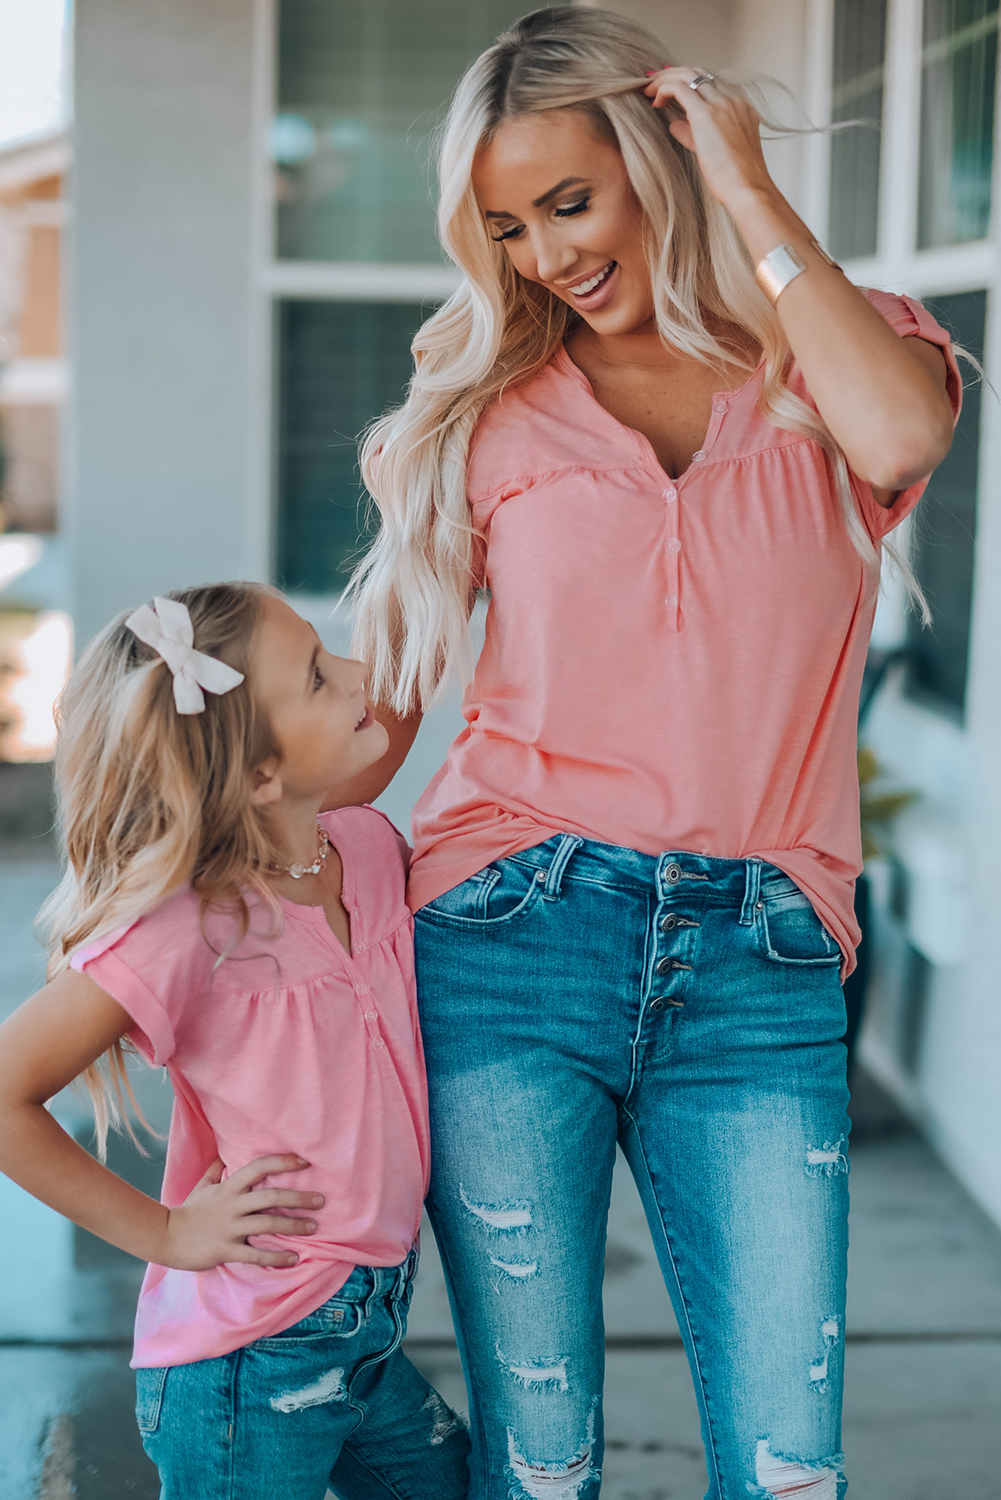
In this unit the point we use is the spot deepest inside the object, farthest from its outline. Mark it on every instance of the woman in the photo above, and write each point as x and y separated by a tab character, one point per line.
633	877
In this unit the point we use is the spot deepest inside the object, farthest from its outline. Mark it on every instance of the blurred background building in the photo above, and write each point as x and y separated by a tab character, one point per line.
208	285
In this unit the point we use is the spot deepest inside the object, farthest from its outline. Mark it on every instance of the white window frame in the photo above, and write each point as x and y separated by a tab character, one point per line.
898	264
277	280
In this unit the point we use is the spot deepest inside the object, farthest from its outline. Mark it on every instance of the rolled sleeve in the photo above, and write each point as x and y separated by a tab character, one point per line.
151	1032
909	319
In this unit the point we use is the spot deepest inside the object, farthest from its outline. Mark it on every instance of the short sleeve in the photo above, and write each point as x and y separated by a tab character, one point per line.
910	320
152	968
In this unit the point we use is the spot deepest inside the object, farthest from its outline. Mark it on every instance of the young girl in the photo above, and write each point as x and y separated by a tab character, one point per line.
213	919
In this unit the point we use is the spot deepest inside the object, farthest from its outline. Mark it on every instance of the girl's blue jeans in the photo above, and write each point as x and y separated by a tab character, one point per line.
690	1008
330	1401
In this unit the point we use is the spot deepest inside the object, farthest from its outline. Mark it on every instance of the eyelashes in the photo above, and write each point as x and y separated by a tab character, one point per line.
569	211
572	209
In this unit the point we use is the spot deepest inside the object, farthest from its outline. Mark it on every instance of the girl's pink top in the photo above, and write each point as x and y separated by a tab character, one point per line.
670	664
290	1045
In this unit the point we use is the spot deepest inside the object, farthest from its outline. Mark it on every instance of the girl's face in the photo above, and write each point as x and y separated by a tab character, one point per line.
554	191
321	718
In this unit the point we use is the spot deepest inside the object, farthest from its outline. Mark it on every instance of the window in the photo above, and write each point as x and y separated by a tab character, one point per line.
959	64
361	85
856	94
340	365
360	88
945	530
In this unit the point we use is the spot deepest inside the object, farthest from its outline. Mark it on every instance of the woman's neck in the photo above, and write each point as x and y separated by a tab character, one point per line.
643	349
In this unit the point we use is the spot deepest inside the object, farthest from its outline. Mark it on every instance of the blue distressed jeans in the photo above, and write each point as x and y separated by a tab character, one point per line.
690	1008
332	1400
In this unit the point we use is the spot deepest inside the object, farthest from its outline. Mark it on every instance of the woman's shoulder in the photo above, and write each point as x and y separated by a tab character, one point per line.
538	427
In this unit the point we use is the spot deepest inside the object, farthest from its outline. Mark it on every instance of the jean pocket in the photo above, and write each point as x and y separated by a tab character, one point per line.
337	1318
788	930
495	895
149	1397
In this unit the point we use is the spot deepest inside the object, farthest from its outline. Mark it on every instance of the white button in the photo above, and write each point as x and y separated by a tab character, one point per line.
700	453
359	947
671	601
719	407
363	988
378	1044
371	1015
670	493
674	545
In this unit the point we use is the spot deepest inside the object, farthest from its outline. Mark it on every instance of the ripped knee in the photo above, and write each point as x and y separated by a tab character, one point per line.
780	1477
562	1479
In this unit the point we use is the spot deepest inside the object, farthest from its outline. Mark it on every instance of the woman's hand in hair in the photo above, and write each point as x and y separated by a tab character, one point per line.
885	399
723	132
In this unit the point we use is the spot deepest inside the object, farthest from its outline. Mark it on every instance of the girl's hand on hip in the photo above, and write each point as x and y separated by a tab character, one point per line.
217	1218
724	133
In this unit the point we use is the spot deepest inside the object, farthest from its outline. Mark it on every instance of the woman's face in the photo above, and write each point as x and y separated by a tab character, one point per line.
554	191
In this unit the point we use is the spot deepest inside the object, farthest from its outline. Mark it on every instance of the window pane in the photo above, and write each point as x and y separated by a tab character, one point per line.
957	120
945	527
856	94
340	364
361	85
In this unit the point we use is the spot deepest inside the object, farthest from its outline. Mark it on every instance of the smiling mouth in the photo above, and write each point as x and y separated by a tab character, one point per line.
591	284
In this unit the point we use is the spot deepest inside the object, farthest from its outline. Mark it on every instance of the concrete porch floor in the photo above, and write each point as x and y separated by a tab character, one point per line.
923	1345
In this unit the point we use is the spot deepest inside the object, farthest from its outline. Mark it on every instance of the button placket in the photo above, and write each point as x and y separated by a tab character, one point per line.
672	567
677	939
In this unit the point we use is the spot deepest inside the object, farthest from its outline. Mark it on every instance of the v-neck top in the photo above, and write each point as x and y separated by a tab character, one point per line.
669	664
288	1044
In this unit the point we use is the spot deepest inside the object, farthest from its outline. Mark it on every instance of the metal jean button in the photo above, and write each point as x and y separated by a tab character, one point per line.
669	923
659	1003
673	873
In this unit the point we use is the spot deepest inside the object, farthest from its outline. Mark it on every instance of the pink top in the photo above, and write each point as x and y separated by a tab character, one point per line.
289	1046
669	664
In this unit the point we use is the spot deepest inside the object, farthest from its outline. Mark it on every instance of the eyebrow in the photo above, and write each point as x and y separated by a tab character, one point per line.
538	202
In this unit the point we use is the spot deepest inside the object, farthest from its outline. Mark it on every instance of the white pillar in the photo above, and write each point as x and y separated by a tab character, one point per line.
162	488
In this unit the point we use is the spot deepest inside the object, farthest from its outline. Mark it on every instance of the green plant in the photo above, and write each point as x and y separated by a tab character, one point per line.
878	808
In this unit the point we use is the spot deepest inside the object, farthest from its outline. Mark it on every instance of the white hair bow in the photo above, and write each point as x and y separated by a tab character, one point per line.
168	629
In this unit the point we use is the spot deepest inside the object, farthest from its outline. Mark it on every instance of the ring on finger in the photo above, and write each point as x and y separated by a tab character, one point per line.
702	78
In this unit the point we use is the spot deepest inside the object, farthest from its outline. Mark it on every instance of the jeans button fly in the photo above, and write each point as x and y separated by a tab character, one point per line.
658	1004
673	872
669	923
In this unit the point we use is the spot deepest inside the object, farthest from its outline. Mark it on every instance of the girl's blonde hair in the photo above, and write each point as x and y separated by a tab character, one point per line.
150	799
413	591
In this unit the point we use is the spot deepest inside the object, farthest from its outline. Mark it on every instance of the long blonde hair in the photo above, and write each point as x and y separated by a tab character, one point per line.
150	799
413	590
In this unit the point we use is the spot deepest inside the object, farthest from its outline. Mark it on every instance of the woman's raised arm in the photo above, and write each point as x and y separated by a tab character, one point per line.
883	397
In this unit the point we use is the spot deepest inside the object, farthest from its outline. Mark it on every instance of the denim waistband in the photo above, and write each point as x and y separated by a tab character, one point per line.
368	1283
728	882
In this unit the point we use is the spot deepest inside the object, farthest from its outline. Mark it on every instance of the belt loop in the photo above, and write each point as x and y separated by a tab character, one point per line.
554	878
752	887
